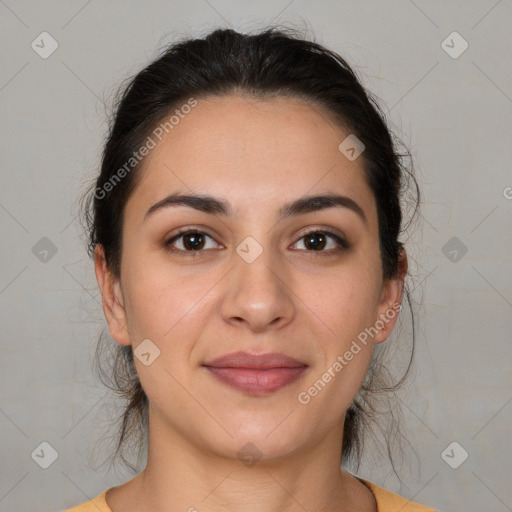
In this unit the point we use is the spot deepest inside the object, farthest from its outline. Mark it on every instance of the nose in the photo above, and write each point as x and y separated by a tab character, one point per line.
258	294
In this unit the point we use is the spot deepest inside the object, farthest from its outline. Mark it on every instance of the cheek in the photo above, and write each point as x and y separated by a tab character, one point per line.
336	381
172	309
344	300
162	297
344	306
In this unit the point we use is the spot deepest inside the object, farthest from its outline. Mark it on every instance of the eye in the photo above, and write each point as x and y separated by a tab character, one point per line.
194	242
317	241
191	241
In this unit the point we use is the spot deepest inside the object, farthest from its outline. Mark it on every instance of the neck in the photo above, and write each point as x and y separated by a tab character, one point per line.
181	475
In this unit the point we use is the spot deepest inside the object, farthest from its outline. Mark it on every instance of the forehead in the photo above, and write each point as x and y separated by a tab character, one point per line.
253	151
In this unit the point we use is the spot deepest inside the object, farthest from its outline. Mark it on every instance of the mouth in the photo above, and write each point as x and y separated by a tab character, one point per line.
256	374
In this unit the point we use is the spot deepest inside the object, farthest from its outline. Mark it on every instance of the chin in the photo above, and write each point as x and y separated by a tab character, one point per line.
265	436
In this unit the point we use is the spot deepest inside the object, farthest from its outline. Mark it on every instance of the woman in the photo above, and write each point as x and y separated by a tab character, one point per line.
245	233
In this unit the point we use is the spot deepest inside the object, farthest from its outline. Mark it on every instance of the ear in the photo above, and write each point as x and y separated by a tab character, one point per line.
112	298
391	297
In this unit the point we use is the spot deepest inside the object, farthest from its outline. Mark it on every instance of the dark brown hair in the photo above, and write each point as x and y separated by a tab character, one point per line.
273	62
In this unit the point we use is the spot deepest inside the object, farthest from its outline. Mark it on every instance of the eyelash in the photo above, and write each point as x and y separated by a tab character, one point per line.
342	244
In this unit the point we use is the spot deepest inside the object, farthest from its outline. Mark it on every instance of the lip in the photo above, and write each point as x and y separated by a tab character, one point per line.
255	361
257	382
256	374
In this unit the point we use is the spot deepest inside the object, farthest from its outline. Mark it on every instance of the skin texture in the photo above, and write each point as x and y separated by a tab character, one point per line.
256	155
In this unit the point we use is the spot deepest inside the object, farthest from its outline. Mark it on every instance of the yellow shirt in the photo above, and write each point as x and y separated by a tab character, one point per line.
386	502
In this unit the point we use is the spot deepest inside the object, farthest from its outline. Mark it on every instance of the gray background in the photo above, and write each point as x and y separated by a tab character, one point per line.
454	113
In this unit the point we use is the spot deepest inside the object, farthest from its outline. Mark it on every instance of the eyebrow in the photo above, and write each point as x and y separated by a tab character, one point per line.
216	206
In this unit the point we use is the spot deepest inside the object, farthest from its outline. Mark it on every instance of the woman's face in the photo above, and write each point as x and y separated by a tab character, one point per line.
256	281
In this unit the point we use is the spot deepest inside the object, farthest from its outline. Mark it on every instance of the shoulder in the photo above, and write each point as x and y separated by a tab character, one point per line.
388	501
98	504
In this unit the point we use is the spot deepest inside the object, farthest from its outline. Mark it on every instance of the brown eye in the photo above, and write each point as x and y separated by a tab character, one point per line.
193	241
318	241
190	241
315	241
